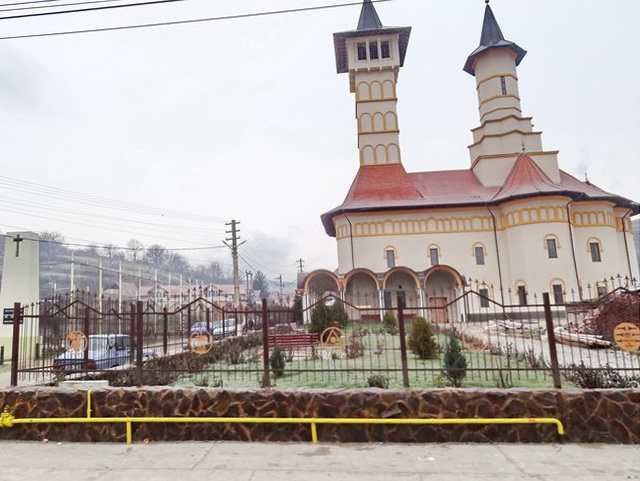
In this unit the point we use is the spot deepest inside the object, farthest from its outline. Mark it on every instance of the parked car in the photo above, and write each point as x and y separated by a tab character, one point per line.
201	326
226	328
105	351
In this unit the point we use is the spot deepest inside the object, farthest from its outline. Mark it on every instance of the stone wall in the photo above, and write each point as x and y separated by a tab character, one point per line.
589	416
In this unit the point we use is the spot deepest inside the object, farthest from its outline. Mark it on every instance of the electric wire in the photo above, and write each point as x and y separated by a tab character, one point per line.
52	6
92	9
190	21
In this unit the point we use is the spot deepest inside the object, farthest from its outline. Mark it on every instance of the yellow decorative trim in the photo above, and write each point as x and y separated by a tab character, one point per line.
318	273
380	132
376	158
392	99
550	236
364	271
514	156
369	91
560	198
495	97
395	270
480	82
558	280
488	136
593	218
499	108
490	121
479	244
594	240
389	117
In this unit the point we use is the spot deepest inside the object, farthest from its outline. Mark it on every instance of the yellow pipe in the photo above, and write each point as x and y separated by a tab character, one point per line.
10	421
89	404
314	433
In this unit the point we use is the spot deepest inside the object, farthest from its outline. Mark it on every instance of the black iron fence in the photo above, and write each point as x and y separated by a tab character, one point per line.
469	340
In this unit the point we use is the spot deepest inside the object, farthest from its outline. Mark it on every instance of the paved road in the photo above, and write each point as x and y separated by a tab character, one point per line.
232	461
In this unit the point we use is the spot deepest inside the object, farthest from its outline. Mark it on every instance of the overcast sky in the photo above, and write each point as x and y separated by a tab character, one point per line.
247	119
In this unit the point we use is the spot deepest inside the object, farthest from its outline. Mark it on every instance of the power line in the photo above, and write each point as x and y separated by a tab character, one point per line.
197	20
50	6
92	9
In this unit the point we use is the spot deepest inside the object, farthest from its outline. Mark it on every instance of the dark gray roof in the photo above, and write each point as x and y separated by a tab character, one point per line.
492	38
369	25
368	17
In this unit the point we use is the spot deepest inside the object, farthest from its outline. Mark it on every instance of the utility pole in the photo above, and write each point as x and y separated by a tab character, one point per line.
234	255
249	276
281	287
301	265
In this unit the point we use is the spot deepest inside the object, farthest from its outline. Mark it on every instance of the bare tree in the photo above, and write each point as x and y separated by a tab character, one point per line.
156	255
135	247
52	245
176	262
110	250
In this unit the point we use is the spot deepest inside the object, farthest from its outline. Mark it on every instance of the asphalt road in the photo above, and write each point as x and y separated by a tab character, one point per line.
231	461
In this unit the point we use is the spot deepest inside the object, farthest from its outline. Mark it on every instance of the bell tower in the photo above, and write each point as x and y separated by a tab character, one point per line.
503	133
372	55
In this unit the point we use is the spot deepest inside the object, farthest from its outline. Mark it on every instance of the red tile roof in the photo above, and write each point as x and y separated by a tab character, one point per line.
390	187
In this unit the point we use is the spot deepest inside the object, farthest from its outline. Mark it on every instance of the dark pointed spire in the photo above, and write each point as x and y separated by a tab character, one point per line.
369	19
492	38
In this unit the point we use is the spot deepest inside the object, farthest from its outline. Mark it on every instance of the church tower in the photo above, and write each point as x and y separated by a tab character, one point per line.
503	132
372	55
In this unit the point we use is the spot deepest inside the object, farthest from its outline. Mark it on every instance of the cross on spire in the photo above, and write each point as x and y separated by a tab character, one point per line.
17	239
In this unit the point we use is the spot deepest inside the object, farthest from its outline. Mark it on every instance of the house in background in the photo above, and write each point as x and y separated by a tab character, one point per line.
512	224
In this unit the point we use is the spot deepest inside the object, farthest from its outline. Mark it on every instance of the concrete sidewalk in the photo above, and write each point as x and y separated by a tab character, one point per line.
231	461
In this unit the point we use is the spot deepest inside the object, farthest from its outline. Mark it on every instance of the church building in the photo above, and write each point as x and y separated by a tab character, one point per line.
510	225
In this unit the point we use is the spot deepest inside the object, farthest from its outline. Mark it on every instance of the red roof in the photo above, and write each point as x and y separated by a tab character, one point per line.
390	187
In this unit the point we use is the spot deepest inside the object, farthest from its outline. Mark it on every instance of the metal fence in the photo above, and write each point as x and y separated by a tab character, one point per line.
536	344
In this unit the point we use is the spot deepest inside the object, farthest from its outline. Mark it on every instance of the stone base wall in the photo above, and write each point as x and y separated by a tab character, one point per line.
589	416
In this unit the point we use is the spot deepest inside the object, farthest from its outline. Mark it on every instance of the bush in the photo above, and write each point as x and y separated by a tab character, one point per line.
601	378
421	340
390	323
455	364
378	380
277	361
339	314
354	347
320	318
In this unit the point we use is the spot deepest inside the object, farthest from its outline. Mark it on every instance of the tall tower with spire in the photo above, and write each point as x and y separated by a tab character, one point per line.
372	55
503	132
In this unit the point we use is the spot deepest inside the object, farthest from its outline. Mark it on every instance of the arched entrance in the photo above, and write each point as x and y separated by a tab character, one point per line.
317	285
403	283
363	292
442	286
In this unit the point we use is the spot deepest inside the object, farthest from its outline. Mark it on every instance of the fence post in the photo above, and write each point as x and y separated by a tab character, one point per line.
266	381
139	341
165	331
555	370
132	333
17	317
1	355
403	343
85	329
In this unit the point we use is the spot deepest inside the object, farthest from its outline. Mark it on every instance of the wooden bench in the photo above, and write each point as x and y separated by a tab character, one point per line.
287	341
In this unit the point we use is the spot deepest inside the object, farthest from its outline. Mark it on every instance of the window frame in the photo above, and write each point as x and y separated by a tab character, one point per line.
596	251
552	247
558	293
434	252
521	291
479	254
484	297
390	256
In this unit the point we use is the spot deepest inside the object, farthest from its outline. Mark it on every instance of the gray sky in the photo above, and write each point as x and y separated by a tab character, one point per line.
246	119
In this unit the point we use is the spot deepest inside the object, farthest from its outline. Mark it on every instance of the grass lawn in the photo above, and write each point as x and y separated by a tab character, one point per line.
378	354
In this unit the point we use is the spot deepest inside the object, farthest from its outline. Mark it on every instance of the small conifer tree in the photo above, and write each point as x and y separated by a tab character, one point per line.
277	361
421	339
455	364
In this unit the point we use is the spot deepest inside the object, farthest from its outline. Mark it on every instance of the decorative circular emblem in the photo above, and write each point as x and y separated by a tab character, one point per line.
201	341
627	336
332	337
76	341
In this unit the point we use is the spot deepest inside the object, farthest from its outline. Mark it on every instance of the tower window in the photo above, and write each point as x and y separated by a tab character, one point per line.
391	258
373	50
558	295
503	84
552	248
362	51
479	251
433	256
594	247
522	295
385	51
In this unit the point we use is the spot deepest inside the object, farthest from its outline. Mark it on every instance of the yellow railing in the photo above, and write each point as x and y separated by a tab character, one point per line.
8	420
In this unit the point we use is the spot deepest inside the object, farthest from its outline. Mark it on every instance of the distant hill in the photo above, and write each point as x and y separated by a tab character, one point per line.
56	267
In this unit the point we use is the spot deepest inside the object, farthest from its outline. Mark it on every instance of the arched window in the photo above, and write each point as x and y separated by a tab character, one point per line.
390	256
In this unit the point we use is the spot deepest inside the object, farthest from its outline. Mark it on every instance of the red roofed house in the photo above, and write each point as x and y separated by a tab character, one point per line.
510	225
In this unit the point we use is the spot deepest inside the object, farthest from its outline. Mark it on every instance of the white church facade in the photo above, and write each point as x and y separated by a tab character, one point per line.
512	224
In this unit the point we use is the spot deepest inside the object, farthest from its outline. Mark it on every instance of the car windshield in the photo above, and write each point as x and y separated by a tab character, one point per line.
97	343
